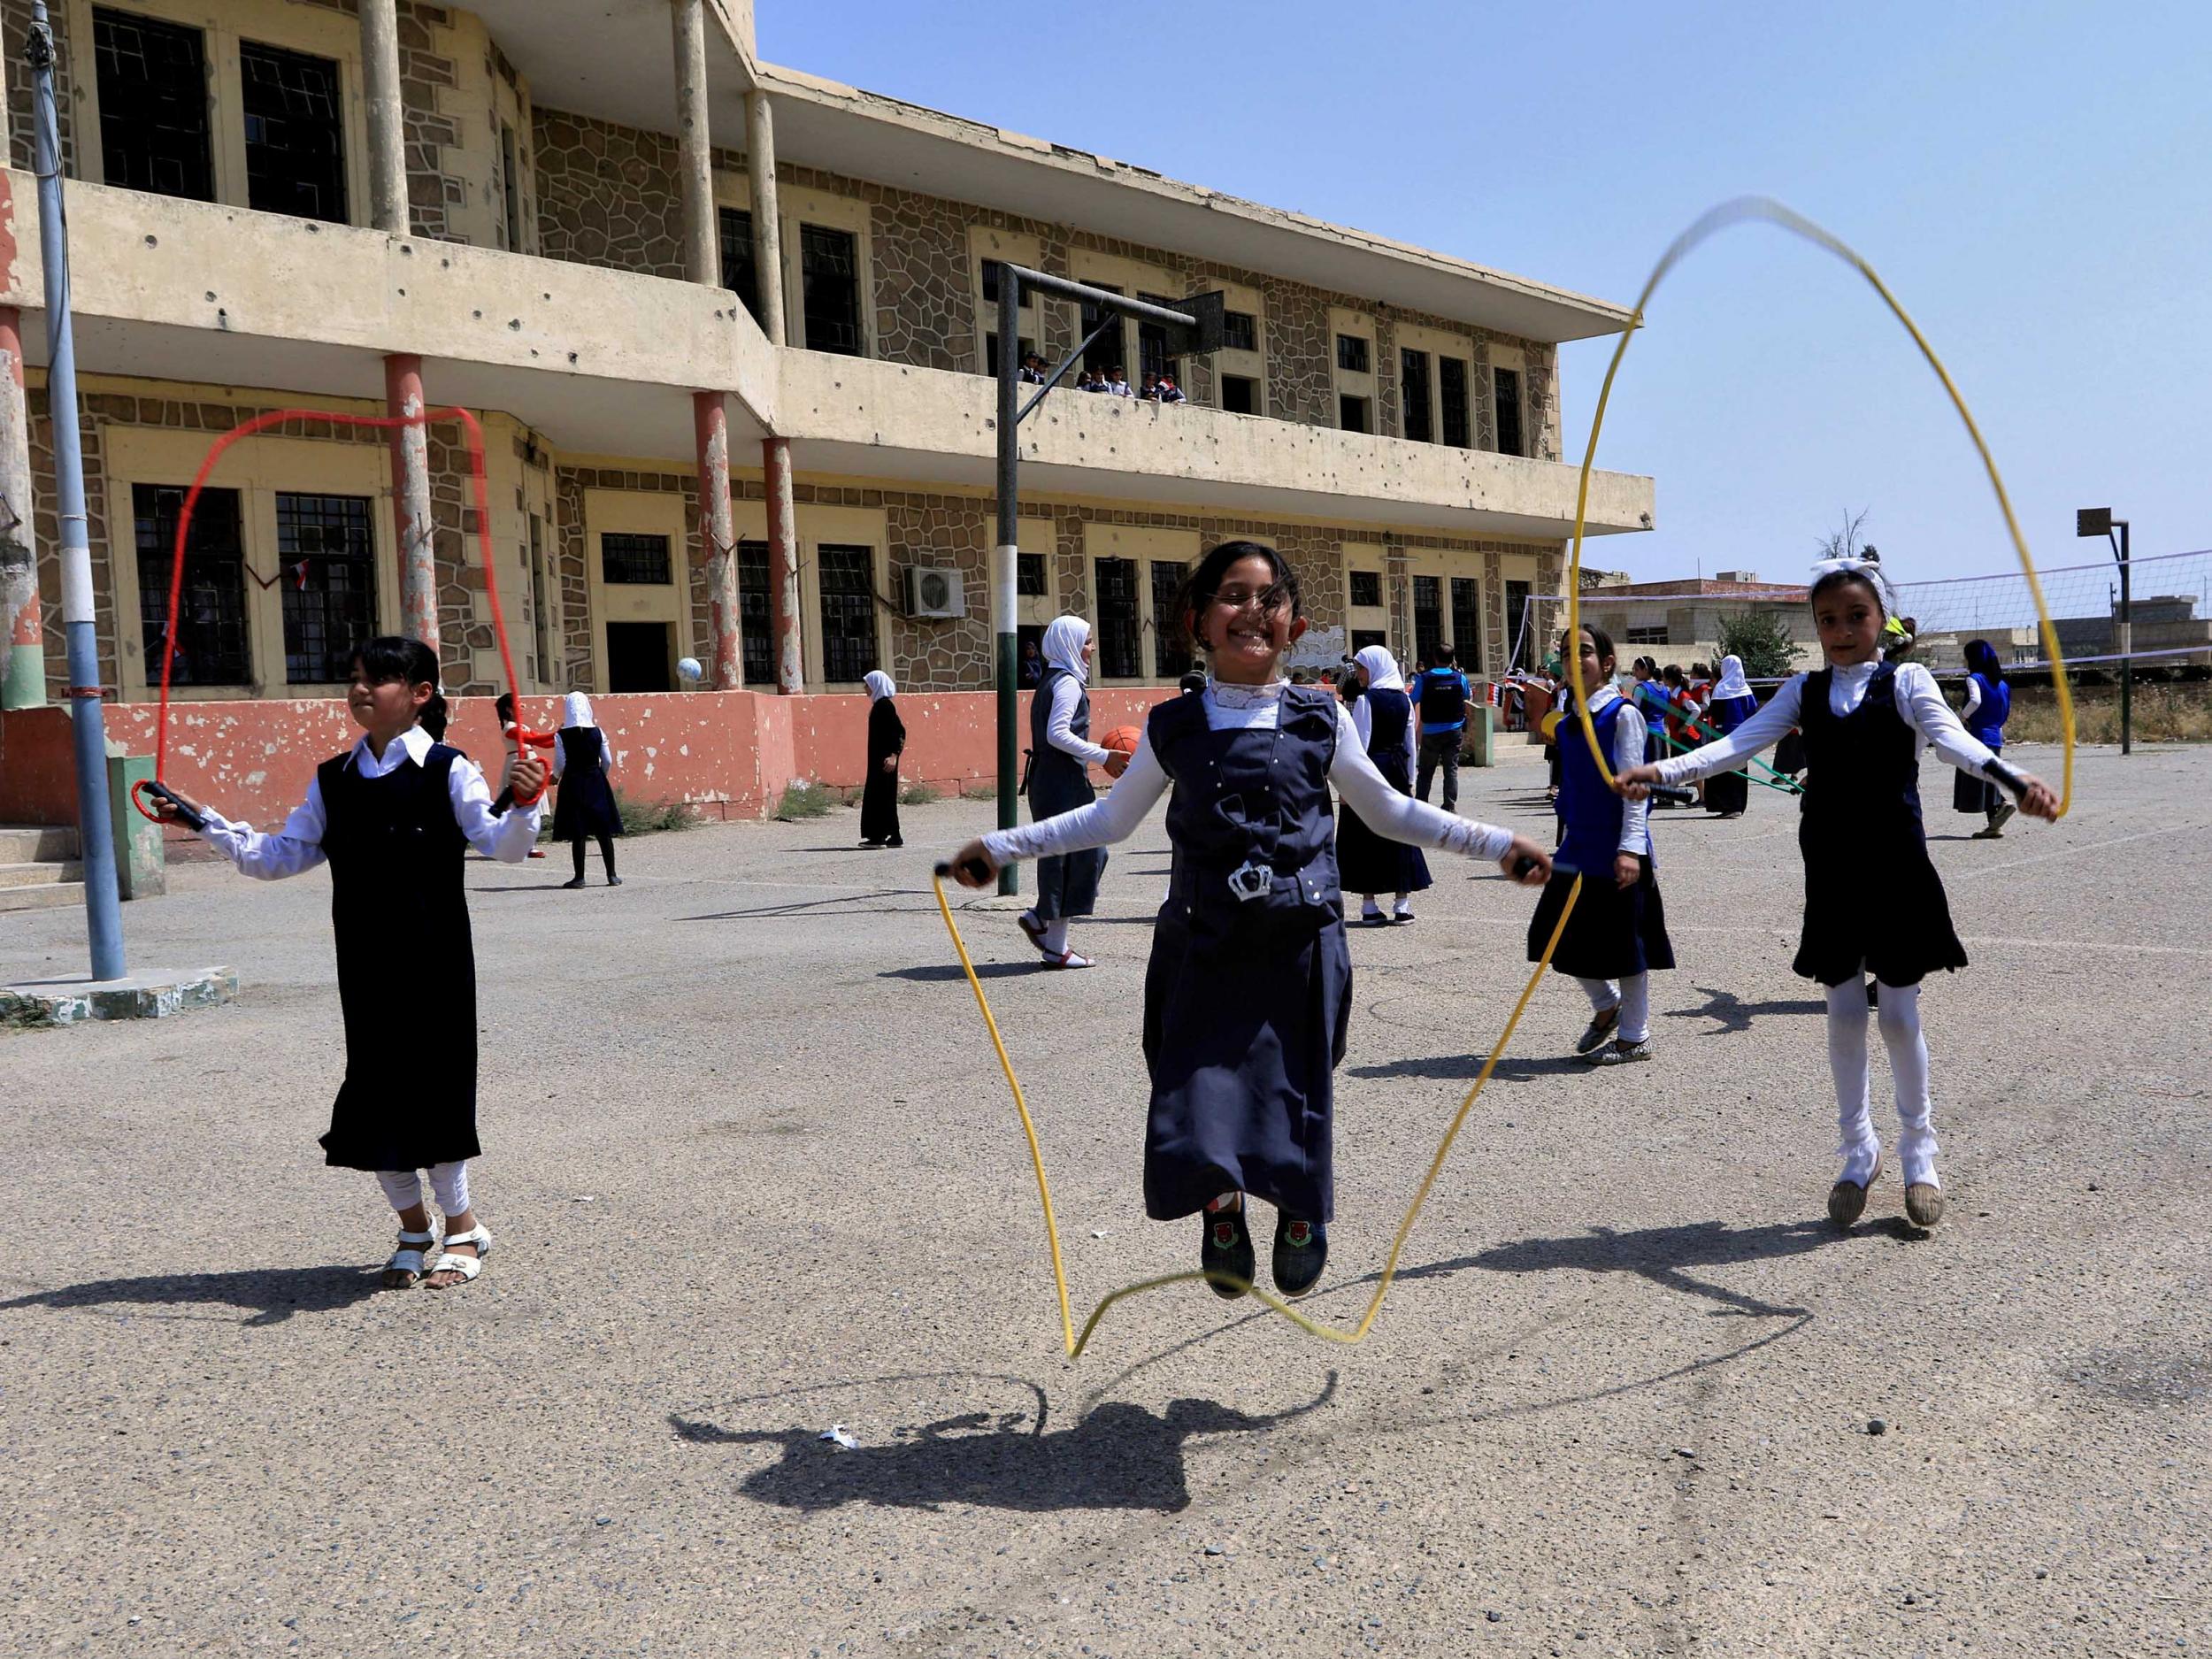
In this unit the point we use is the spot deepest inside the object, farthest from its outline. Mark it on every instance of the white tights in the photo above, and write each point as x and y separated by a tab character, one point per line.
1631	997
1899	1015
1055	938
449	1181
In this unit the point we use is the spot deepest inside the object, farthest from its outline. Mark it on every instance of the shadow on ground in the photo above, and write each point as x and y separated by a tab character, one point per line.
1735	1015
1118	1456
273	1295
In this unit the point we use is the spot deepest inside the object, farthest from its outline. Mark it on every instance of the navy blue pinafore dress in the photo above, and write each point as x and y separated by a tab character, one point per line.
1612	934
1873	900
1246	999
1067	883
1372	863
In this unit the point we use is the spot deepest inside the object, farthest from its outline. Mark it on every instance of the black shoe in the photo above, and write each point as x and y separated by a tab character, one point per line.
577	883
614	881
1302	1250
895	841
1224	1252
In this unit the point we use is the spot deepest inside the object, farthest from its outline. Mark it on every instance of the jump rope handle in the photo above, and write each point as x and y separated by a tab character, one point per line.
1671	792
975	868
1999	773
186	815
1523	864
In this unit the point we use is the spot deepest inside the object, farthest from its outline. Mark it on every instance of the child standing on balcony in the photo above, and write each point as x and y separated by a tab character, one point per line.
1248	992
392	817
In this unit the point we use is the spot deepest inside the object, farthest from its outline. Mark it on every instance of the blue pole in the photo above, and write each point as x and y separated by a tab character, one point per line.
95	830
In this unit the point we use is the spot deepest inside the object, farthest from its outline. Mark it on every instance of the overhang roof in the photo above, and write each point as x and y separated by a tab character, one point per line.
612	59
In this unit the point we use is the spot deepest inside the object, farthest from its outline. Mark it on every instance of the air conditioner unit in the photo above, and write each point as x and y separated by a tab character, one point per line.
932	591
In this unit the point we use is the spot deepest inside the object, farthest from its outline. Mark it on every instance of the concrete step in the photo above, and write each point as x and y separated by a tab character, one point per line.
30	843
40	875
51	896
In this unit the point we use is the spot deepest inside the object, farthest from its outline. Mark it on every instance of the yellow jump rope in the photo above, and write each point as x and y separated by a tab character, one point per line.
1729	213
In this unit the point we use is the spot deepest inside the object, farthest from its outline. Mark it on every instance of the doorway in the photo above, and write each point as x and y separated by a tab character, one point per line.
639	656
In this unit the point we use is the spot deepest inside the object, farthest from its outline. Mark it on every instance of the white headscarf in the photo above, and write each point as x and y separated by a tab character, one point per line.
576	710
879	686
1064	640
1732	682
1379	668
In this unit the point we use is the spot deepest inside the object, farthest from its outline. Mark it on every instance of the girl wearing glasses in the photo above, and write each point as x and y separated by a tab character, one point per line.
1249	991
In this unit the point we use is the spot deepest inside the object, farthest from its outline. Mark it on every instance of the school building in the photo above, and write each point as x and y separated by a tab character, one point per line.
728	329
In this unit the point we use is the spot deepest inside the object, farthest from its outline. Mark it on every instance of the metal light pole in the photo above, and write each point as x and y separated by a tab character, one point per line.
95	828
2090	521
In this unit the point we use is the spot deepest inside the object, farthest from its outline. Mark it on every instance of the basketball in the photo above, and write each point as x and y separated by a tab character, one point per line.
1123	740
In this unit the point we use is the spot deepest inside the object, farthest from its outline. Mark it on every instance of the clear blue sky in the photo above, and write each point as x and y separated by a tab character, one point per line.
2034	180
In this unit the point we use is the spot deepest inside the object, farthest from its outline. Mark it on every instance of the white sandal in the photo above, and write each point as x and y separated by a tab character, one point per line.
408	1259
467	1266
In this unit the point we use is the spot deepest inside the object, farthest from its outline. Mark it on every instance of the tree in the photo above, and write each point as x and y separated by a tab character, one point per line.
1759	638
1845	543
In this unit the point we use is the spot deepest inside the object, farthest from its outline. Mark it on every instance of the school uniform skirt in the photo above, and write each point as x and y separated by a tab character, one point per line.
1612	934
1977	795
1727	791
1873	903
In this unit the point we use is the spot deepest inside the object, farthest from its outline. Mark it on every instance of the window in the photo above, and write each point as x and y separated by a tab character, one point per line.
990	353
326	560
153	110
1106	351
1361	638
1152	357
829	275
1428	617
1240	395
739	274
1239	331
1644	636
1120	650
1506	385
635	559
541	668
1467	620
1413	395
1169	654
1027	297
1451	386
1367	587
212	646
510	187
756	619
1029	645
1029	576
295	152
847	575
1351	414
1351	355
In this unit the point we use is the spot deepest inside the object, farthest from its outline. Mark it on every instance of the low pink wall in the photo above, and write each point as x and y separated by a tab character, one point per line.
730	752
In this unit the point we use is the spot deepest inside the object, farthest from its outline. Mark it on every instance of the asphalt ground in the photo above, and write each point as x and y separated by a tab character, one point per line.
753	1173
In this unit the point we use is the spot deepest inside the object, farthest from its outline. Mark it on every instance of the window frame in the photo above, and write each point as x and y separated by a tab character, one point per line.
1363	384
270	51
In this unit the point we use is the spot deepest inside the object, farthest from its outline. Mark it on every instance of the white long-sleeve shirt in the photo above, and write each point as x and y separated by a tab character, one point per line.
1919	704
1060	723
1363	722
1629	732
1116	814
298	846
560	755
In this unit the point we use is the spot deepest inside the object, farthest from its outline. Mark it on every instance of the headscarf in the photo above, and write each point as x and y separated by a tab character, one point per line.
576	710
1063	642
1379	669
1732	682
1981	659
879	686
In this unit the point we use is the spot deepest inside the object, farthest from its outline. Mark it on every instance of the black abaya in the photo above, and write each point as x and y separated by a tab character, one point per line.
879	795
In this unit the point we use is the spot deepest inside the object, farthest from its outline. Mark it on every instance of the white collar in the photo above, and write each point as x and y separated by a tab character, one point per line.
1604	694
1230	696
413	743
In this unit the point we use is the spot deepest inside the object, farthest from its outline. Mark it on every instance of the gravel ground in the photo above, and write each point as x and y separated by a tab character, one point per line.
754	1173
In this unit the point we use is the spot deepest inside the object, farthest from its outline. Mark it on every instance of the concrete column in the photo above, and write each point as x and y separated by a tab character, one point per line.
760	158
387	123
695	150
783	566
709	419
411	500
23	684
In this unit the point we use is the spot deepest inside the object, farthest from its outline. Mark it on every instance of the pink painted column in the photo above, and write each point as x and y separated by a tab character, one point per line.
23	681
717	537
411	500
783	566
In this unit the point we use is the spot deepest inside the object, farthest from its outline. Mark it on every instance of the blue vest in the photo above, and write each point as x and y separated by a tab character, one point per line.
1996	709
1590	811
1443	698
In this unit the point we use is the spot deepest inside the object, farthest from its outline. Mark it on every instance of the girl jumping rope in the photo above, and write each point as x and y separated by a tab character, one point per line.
1873	902
1618	931
392	817
1248	989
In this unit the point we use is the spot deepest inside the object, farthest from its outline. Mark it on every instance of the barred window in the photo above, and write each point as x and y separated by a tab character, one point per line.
829	276
212	646
326	557
1351	354
628	559
740	274
1413	386
1239	331
1171	656
295	152
1120	644
1029	576
1505	388
153	105
1367	587
847	577
1451	386
1428	617
755	617
1467	621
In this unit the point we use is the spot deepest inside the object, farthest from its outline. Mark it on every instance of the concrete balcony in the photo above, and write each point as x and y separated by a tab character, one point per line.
853	417
601	361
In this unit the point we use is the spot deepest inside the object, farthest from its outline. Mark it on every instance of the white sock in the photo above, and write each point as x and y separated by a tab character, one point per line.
1908	1046
1405	904
1056	935
1636	1007
1367	905
1847	1064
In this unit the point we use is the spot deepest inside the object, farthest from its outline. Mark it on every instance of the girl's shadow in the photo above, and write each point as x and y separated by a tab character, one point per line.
1120	1456
273	1294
